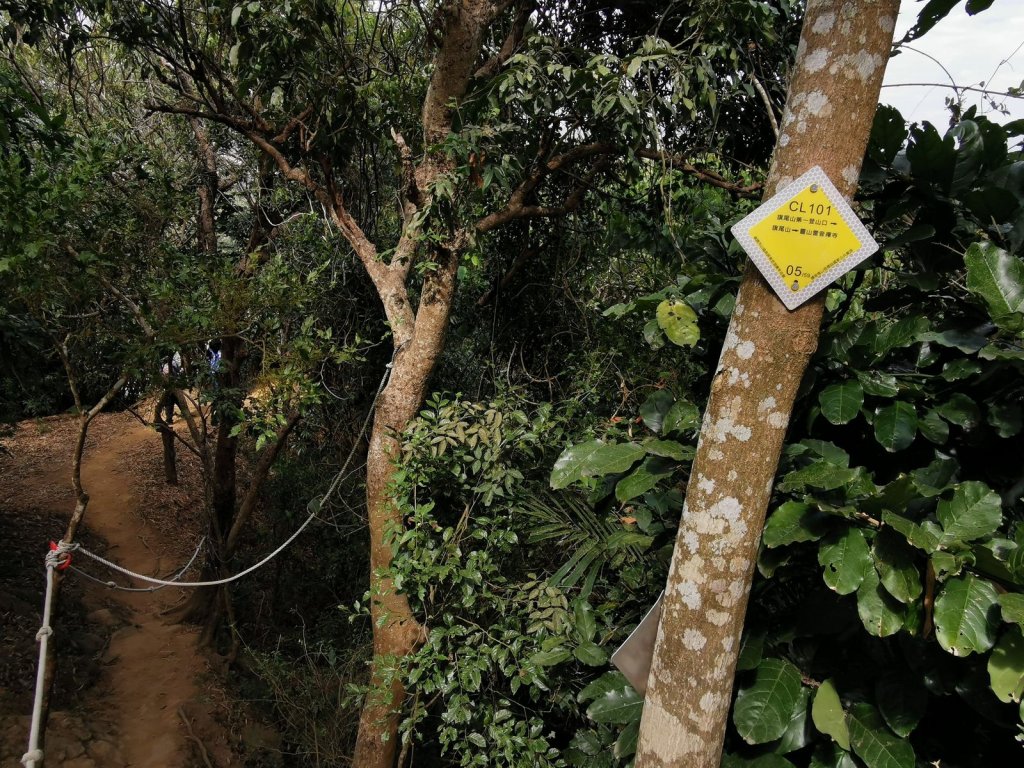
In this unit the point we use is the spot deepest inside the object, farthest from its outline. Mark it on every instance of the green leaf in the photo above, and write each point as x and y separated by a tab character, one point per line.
895	426
584	622
643	478
797	735
591	654
235	13
679	322
606	683
551	657
934	429
935	478
846	560
902	700
625	745
655	407
621	705
593	459
840	403
998	279
894	561
960	410
653	335
683	416
1007	418
821	474
1006	666
764	709
1012	606
916	535
880	613
878	384
974	511
969	155
793	522
751	650
828	755
569	466
668	449
874	743
828	715
966	615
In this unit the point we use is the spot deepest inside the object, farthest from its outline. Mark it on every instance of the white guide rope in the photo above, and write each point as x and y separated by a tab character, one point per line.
60	557
56	557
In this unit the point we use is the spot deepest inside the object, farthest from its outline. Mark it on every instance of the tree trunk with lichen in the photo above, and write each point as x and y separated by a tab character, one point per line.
843	50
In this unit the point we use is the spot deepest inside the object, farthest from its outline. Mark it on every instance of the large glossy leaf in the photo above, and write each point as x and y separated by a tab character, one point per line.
569	466
652	471
683	416
878	383
820	474
655	407
593	459
828	714
932	426
764	709
828	755
793	522
969	155
998	279
1011	605
1006	666
619	705
584	621
896	426
966	615
880	613
591	654
625	745
798	732
894	561
669	449
874	743
960	410
679	322
846	559
840	403
916	535
902	700
974	511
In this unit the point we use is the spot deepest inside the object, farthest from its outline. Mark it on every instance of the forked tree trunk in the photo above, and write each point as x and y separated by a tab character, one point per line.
840	62
419	339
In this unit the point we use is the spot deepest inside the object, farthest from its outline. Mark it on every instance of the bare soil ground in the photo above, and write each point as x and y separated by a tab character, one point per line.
132	689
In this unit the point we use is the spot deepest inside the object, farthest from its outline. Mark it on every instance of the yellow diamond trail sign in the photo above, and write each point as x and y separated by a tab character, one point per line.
804	238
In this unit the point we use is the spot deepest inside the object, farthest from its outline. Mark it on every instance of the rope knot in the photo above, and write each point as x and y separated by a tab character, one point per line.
59	556
44	632
33	757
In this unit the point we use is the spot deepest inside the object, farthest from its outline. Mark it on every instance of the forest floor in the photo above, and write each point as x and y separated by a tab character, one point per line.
132	688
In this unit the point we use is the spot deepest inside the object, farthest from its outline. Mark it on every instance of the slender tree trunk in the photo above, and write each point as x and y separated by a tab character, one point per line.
840	62
419	339
163	417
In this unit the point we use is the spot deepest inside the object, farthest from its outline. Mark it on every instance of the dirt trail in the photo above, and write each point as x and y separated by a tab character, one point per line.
153	663
152	672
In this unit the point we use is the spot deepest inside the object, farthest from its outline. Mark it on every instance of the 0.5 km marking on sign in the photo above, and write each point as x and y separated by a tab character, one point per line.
804	238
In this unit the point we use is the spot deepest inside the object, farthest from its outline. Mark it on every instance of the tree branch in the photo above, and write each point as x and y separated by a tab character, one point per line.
259	476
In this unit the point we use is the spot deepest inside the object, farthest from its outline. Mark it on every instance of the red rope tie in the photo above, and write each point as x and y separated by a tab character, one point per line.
67	557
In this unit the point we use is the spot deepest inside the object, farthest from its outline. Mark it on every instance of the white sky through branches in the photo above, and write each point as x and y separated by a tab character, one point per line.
971	48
